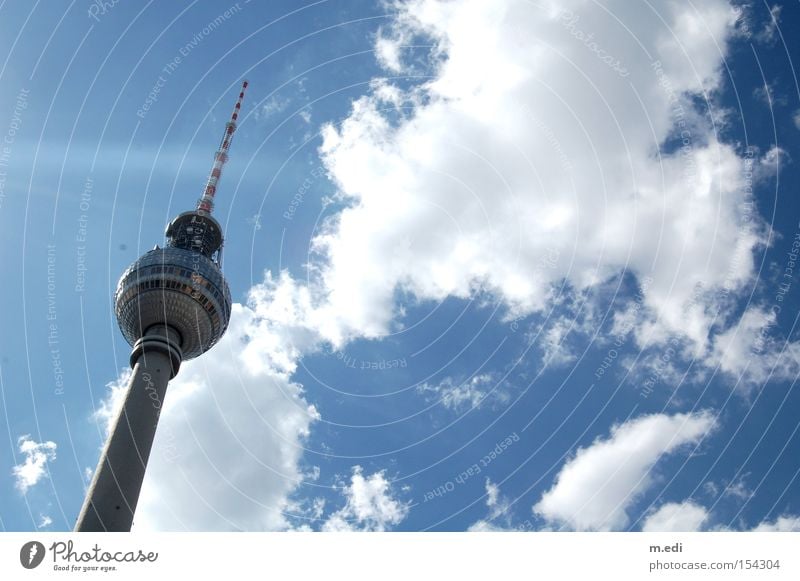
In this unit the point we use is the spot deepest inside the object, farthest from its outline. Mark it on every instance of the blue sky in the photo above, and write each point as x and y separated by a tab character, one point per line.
497	265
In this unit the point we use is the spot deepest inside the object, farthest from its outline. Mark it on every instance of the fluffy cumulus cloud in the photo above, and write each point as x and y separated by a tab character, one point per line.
595	488
564	130
370	505
684	516
33	468
227	454
782	524
688	516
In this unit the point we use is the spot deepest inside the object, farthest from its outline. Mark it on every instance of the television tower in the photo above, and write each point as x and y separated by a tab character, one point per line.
172	304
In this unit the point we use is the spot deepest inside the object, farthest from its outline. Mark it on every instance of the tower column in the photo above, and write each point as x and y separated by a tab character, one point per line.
114	492
173	303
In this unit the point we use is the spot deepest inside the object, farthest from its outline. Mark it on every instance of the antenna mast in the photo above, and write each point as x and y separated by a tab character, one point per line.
206	202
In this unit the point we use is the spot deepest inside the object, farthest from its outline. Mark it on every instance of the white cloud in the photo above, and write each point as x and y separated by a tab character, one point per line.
497	504
554	342
109	407
711	488
385	92
498	510
788	523
492	494
769	32
387	51
390	40
796	119
748	351
594	489
44	521
766	95
230	438
527	145
485	526
282	325
770	164
467	394
272	106
738	489
686	516
370	505
34	466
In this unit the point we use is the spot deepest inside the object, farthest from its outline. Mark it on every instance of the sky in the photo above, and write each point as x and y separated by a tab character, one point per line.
520	265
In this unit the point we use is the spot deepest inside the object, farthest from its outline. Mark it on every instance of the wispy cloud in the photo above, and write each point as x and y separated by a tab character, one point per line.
467	394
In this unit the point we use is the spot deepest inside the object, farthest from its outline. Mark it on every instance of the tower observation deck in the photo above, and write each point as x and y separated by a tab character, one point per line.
172	304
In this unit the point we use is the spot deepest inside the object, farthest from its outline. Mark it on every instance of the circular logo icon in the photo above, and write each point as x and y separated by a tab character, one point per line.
31	554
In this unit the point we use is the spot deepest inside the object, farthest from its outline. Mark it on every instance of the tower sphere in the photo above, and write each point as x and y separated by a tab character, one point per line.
181	286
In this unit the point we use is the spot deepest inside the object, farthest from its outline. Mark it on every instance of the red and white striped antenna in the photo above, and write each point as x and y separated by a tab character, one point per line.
206	202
